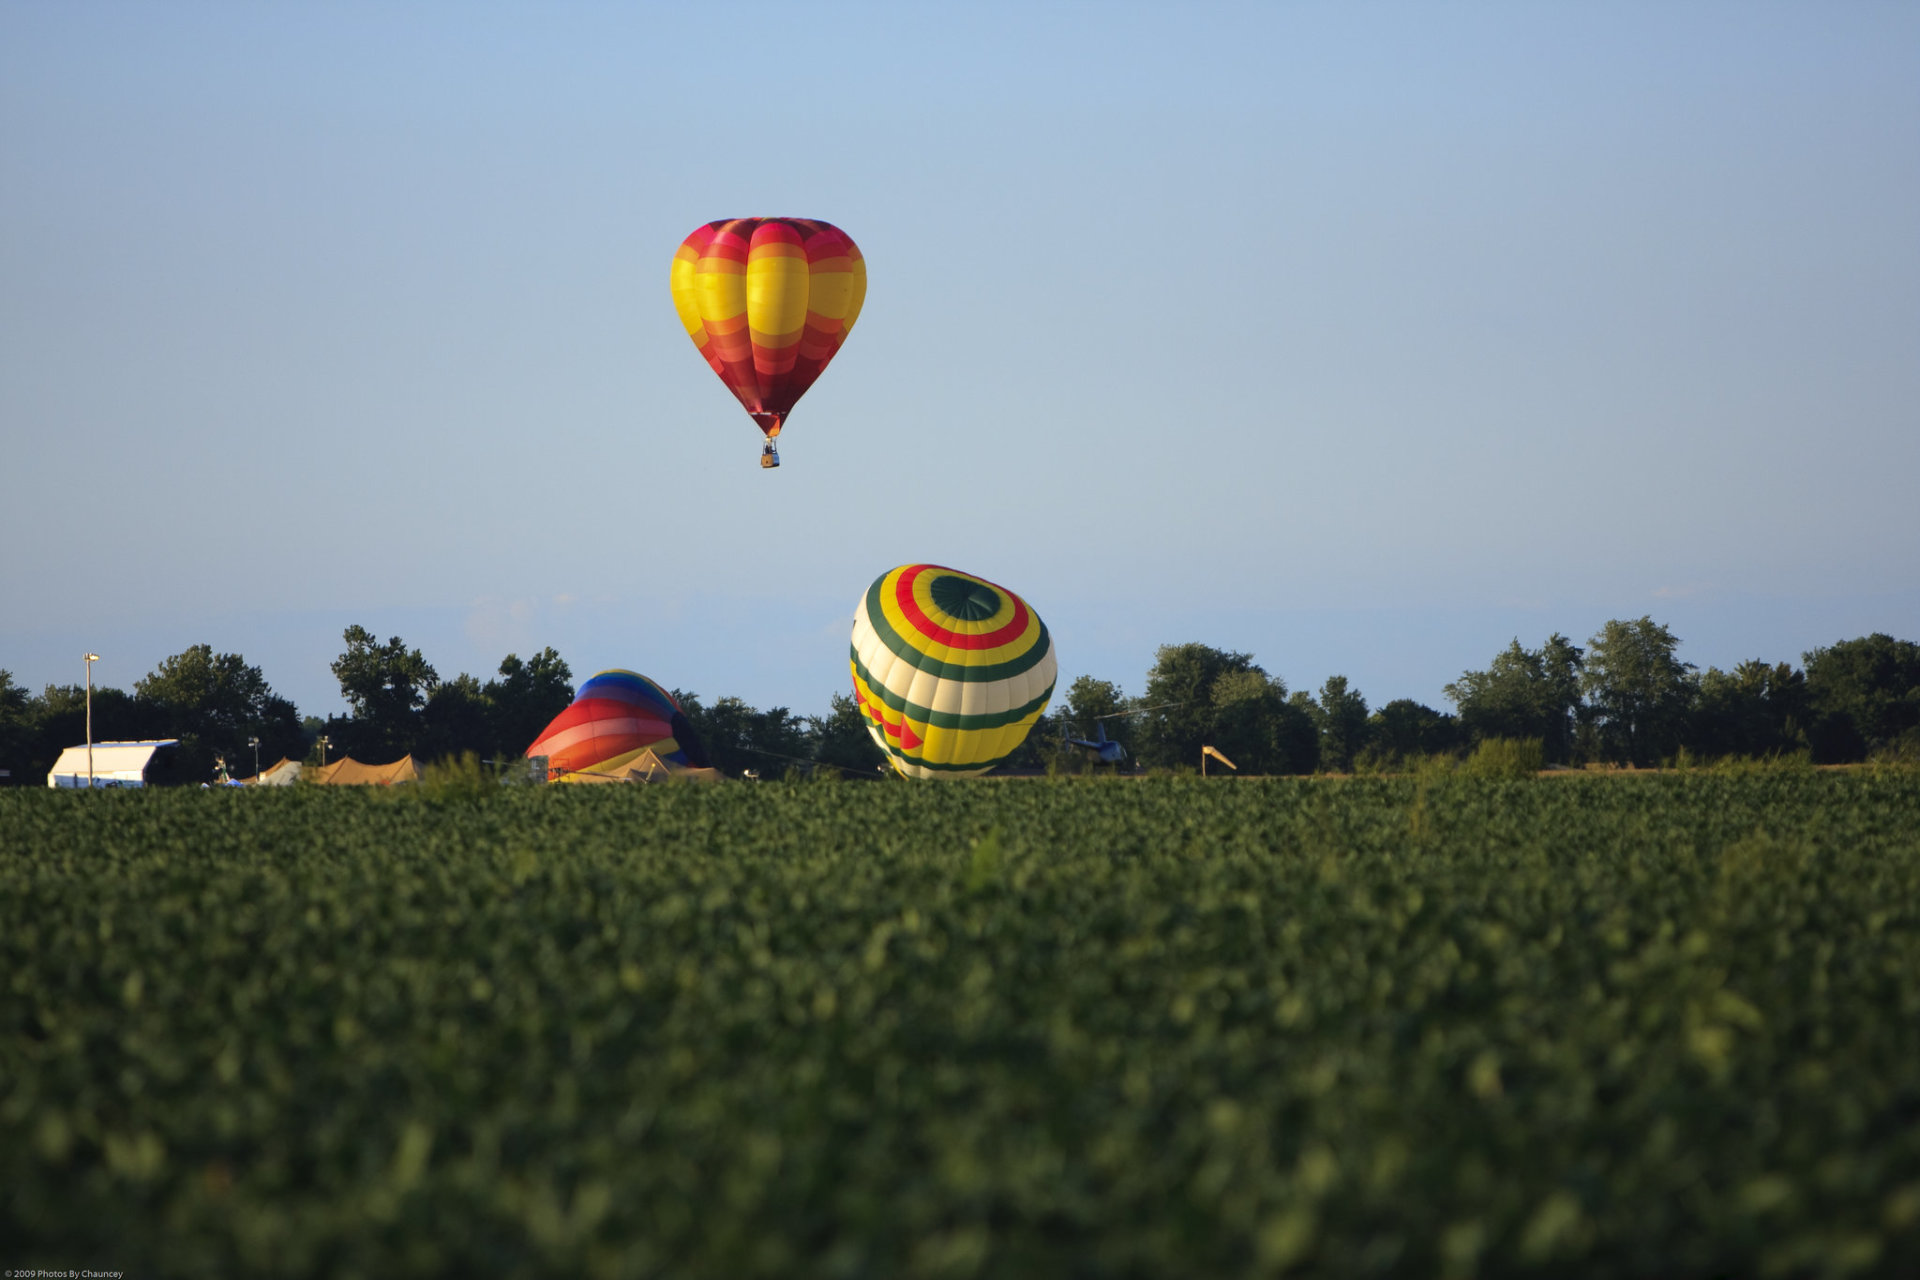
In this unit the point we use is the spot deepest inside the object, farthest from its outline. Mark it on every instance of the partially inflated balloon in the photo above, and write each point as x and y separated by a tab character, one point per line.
616	716
950	670
768	301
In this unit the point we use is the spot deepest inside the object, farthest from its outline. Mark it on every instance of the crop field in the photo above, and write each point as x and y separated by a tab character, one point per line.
1646	1026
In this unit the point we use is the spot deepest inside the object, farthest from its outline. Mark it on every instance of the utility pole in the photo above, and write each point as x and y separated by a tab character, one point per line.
91	658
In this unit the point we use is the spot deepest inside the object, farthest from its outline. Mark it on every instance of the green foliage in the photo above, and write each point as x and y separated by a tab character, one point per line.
1902	751
1657	1025
1737	765
1524	693
1301	730
1090	705
454	720
984	861
1504	758
1865	695
399	705
738	738
525	698
1250	716
1757	709
1638	691
455	779
214	703
1089	700
1403	732
386	686
1181	689
1343	725
17	727
1203	695
841	742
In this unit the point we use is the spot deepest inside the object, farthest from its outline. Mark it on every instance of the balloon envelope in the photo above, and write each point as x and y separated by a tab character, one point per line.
616	716
768	301
950	670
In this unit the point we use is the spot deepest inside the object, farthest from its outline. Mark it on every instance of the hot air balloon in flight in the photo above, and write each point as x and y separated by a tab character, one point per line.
768	301
620	721
950	670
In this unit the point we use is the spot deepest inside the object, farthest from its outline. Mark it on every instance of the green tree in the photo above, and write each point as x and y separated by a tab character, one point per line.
457	719
499	720
1343	725
739	737
1404	730
524	699
1757	709
1561	664
1091	706
1089	700
1640	693
1524	693
214	703
1297	737
16	731
1198	695
386	687
1180	691
721	728
1863	695
841	741
781	741
312	729
1257	727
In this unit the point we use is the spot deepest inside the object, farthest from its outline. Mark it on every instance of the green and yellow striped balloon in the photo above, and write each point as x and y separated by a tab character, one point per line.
950	670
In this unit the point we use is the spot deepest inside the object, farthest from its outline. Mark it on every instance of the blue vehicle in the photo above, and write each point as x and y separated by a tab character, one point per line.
1105	749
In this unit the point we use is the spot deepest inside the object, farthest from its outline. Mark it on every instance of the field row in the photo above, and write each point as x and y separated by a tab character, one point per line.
1628	1026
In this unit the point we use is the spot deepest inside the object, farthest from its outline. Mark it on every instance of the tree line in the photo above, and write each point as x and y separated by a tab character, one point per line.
216	704
1624	698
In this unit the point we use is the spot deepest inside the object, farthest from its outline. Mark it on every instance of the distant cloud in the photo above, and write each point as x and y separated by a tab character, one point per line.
494	623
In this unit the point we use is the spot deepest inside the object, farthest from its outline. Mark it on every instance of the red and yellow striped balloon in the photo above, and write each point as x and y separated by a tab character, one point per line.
768	301
950	670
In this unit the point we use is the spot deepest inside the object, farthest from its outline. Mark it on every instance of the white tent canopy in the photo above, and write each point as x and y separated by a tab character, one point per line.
115	764
283	774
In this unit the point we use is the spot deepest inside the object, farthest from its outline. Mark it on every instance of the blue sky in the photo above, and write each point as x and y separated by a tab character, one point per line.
1363	338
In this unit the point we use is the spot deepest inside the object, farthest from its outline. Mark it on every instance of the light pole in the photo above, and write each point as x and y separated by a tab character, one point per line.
255	744
325	742
91	658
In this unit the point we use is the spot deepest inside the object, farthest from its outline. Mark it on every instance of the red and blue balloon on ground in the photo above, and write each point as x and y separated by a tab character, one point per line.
616	716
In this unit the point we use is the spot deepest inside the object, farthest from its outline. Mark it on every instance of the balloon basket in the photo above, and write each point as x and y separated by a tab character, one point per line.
769	456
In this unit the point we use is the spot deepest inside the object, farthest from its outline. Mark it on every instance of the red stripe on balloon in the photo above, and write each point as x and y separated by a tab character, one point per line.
582	711
903	593
775	232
